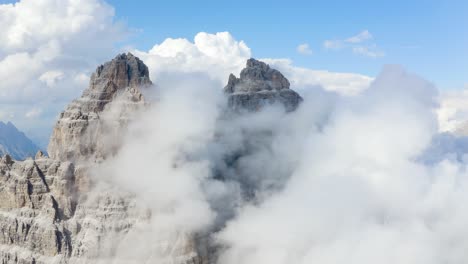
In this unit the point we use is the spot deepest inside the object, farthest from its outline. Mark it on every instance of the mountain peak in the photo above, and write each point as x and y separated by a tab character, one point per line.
125	70
7	124
76	134
259	85
15	142
257	76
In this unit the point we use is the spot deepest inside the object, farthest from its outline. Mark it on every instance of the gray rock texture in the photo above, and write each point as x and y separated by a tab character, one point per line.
260	85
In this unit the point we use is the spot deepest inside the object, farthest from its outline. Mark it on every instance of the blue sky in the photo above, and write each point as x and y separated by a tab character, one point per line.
427	37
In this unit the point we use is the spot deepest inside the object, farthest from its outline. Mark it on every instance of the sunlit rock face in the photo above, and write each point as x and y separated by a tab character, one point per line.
260	85
89	126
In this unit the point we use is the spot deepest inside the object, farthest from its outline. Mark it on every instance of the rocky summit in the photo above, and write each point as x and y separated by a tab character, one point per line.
79	132
50	209
260	85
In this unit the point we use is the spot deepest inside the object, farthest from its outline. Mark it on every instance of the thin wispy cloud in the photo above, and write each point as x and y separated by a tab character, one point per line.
361	37
304	49
359	44
372	52
332	44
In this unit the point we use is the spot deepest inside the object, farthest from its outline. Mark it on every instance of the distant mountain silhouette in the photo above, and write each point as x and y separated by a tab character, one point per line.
15	143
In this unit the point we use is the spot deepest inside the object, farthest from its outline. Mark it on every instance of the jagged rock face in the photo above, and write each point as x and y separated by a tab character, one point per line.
44	219
84	131
36	198
259	85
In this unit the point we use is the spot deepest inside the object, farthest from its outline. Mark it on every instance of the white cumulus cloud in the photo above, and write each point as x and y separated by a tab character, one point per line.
217	55
453	111
220	54
46	44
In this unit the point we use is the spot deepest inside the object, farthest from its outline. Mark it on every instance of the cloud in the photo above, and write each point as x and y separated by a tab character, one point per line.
31	25
372	52
333	44
361	37
338	180
47	44
304	49
170	168
356	45
218	55
51	77
357	190
303	78
453	111
34	113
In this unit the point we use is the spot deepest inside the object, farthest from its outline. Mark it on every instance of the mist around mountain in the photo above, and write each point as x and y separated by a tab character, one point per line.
15	143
